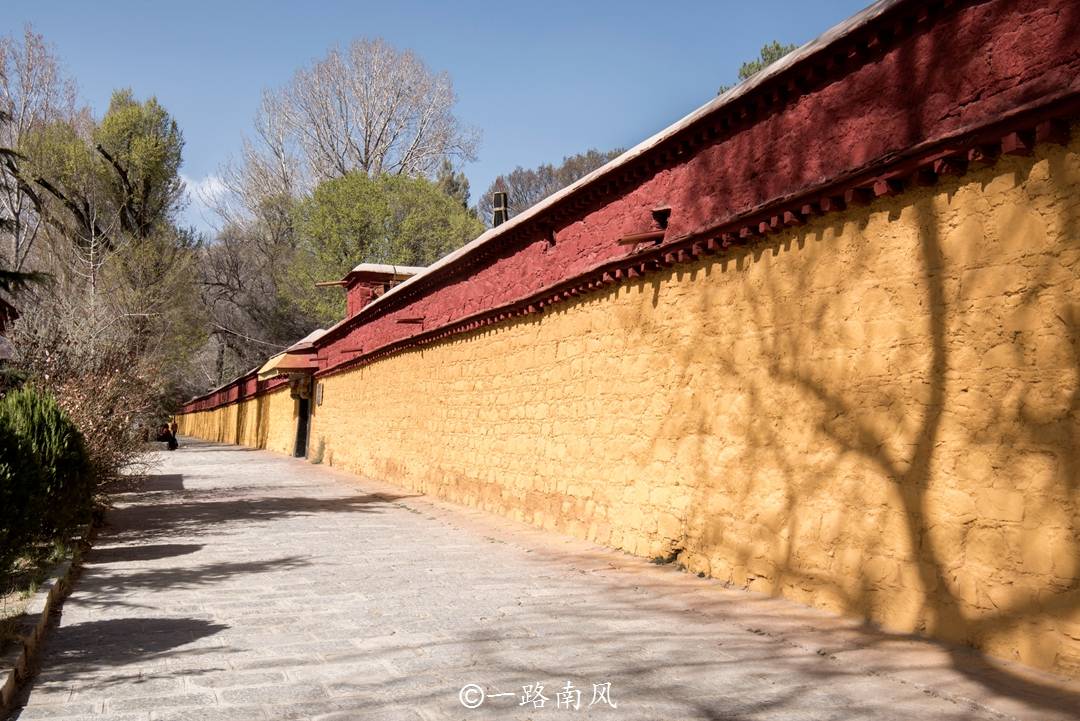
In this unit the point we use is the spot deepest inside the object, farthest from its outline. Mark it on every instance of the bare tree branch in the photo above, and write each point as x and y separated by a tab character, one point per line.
370	108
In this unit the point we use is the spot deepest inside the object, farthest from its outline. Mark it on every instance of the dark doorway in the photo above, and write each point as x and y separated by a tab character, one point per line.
304	409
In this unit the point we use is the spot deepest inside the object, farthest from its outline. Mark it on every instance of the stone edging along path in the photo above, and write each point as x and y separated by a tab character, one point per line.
17	665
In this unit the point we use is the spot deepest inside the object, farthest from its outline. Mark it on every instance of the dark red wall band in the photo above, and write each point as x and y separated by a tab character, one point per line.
922	90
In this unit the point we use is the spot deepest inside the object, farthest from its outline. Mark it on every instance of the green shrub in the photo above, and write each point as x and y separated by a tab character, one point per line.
22	503
56	484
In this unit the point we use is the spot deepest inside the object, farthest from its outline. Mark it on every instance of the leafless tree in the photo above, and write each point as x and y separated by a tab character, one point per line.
89	256
372	108
33	93
247	314
527	187
269	170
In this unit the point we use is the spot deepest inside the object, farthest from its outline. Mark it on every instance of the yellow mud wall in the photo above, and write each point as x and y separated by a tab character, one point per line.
877	413
267	421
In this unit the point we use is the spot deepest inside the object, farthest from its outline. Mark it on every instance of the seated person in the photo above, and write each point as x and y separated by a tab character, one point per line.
166	435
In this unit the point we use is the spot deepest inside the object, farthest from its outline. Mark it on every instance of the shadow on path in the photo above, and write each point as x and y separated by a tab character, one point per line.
159	507
92	645
128	554
147	555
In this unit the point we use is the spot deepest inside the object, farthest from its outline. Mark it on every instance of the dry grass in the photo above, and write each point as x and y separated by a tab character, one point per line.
17	587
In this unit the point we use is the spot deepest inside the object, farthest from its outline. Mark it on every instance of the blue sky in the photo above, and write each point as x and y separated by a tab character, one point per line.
541	80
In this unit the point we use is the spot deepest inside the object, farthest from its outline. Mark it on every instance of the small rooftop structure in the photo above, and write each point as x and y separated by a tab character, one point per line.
299	358
368	281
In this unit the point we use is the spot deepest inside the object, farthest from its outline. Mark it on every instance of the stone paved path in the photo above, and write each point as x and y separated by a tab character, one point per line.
238	584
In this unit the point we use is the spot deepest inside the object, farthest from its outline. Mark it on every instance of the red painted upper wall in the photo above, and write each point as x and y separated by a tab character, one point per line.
909	87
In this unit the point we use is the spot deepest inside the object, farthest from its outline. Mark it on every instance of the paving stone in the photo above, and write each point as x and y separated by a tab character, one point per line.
264	588
149	703
223	713
129	688
54	711
250	662
237	678
274	694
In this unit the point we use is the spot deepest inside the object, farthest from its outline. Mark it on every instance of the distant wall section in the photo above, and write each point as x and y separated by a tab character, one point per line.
265	421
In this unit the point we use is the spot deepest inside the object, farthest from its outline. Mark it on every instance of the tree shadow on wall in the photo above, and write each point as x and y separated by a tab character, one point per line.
908	420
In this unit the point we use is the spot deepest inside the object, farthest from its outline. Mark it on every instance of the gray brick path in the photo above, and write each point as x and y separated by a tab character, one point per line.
241	585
